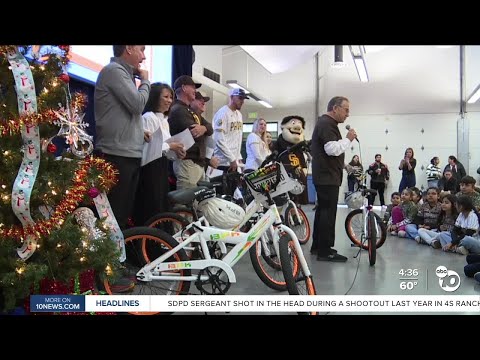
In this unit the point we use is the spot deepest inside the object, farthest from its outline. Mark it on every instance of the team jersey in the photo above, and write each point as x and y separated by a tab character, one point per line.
227	133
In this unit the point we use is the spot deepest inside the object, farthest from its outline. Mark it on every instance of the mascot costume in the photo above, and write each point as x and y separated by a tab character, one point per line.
293	128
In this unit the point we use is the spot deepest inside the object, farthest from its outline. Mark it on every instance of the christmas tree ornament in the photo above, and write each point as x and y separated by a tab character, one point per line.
65	78
51	148
86	219
72	127
93	192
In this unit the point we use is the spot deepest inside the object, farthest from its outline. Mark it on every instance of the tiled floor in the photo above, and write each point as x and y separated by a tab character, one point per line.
383	278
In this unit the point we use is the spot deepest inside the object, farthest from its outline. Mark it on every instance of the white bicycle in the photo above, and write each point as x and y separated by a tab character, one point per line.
161	265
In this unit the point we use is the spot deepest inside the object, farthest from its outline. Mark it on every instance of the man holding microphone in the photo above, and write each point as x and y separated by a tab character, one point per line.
328	153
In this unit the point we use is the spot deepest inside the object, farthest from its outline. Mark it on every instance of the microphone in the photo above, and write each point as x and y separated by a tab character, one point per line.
348	128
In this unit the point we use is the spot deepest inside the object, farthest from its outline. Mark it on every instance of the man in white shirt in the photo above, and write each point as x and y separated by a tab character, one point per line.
227	131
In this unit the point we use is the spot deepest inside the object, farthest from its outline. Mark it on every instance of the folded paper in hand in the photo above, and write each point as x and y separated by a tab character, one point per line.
212	172
185	137
153	149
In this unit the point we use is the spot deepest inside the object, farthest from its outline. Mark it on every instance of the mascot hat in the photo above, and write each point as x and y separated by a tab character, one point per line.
288	118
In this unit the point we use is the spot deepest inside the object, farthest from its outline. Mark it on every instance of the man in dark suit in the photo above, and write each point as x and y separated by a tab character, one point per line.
328	153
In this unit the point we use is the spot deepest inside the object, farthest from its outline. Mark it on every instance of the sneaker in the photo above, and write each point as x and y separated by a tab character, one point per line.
394	233
477	276
418	239
402	234
332	257
436	244
462	250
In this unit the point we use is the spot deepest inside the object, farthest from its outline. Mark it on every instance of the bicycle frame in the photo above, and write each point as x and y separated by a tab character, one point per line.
366	209
291	202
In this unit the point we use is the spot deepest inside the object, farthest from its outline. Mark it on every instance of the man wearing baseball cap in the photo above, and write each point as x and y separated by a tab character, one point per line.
190	170
228	128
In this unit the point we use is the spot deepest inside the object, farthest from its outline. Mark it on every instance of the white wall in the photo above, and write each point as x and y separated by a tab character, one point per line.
209	57
438	139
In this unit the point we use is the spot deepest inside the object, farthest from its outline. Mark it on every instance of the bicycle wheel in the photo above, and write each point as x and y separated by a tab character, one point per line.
296	285
354	228
266	264
371	237
186	213
143	245
300	225
169	222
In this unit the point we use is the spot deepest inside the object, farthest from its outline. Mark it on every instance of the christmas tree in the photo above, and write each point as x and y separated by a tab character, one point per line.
44	236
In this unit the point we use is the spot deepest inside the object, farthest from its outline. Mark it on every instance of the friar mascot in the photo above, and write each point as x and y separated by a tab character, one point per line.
292	133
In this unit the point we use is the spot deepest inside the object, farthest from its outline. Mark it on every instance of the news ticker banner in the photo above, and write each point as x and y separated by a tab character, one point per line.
256	303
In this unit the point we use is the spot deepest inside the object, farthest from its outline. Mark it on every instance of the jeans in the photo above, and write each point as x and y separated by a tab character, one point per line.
412	231
428	235
445	238
472	244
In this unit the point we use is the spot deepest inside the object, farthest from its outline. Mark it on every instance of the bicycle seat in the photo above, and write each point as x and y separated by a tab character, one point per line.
365	192
209	185
184	196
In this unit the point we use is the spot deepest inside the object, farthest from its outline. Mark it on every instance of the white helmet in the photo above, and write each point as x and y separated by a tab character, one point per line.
221	213
354	200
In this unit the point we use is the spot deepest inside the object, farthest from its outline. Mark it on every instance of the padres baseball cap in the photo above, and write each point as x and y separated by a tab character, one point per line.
184	80
238	92
200	96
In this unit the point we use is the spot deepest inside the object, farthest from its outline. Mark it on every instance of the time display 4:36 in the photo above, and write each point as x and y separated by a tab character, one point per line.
408	272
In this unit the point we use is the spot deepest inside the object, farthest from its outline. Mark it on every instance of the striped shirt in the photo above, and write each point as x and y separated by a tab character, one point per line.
433	172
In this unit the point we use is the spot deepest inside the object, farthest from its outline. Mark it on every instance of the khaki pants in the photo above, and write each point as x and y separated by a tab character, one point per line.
188	173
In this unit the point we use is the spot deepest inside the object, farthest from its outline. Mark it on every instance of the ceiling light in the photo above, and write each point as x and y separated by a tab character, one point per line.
234	84
358	55
475	95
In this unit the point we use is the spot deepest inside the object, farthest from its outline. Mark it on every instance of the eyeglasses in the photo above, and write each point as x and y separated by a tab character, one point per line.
347	110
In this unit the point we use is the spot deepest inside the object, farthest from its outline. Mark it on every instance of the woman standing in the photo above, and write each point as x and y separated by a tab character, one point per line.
355	171
407	165
257	148
153	185
269	139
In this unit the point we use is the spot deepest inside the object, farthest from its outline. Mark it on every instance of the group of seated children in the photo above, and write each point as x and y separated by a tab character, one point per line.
452	224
